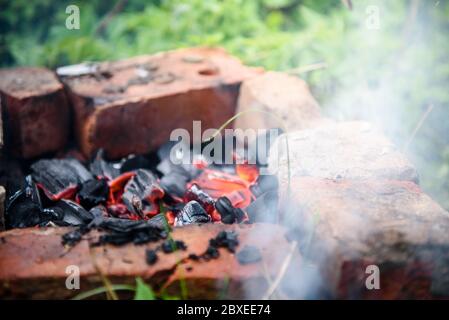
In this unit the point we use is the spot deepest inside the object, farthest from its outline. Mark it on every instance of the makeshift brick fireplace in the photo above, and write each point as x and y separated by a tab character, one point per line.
100	190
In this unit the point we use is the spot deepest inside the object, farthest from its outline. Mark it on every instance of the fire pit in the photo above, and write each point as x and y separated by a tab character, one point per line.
134	188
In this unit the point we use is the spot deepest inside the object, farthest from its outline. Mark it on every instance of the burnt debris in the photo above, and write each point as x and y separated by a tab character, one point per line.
193	212
151	257
59	178
139	198
229	214
142	193
248	255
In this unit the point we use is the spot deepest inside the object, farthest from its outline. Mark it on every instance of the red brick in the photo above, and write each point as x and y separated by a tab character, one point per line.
185	85
36	111
33	262
389	223
283	98
353	150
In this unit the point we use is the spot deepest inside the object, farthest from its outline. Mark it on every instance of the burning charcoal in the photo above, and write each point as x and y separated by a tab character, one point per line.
264	184
229	214
174	184
225	239
249	254
206	201
59	178
103	169
93	192
193	212
264	208
99	211
226	210
247	172
142	193
170	246
23	208
150	257
74	214
118	210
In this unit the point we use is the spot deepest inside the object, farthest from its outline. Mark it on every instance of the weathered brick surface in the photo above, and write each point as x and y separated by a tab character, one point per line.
33	263
35	110
285	97
351	224
132	106
348	150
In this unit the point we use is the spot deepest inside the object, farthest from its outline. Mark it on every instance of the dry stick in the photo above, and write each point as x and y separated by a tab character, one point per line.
278	291
308	68
119	5
110	293
281	273
418	126
347	4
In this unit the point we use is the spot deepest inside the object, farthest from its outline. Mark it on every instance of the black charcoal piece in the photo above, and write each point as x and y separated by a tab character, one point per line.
211	253
174	184
194	257
100	168
205	200
264	208
24	207
226	210
192	212
170	245
229	214
225	239
93	192
129	226
59	176
150	257
74	214
72	238
135	162
248	255
142	192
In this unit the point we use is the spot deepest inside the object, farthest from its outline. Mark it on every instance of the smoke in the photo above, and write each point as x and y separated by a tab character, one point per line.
388	76
392	76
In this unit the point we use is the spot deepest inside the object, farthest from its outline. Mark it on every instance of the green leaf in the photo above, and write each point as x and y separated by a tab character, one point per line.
143	291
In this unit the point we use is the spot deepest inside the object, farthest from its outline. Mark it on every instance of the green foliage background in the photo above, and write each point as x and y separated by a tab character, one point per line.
387	76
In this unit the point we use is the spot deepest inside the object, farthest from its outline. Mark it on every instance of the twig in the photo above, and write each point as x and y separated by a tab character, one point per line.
309	68
347	4
278	292
418	127
110	293
119	5
281	273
